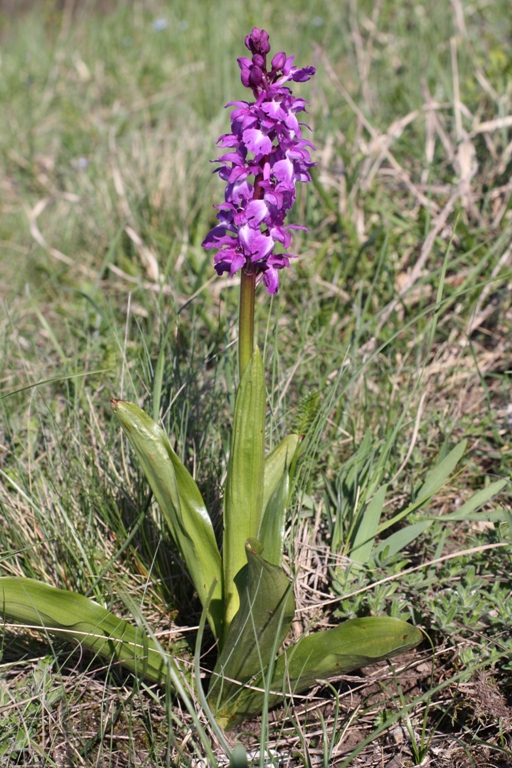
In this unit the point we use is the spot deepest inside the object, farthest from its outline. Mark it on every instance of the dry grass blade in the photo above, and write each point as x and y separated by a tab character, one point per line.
377	137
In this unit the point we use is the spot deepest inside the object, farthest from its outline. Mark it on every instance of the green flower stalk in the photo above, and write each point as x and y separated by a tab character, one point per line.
246	320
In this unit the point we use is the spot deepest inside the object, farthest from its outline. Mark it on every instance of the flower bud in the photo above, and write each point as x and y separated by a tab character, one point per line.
256	77
258	61
245	66
252	40
264	45
279	60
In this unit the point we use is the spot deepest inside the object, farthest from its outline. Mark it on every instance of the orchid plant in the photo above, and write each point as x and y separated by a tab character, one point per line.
246	595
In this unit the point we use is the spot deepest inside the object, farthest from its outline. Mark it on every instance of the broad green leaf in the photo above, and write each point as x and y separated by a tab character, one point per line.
262	622
367	528
271	533
476	501
276	464
402	538
351	645
77	618
325	655
238	757
243	499
434	480
276	492
181	504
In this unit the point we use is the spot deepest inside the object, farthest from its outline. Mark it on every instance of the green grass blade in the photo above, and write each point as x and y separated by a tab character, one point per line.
243	501
397	541
367	527
476	501
438	476
434	480
181	504
402	538
77	618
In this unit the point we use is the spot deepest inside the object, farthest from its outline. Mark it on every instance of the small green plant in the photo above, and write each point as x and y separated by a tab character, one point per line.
356	500
246	595
16	730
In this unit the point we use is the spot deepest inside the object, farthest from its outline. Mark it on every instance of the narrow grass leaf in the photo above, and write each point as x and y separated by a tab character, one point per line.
367	527
438	476
434	480
402	538
476	501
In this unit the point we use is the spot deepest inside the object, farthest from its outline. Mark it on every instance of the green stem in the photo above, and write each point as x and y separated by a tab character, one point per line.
246	321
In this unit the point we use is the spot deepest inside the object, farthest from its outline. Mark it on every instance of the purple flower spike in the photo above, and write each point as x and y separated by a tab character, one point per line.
265	143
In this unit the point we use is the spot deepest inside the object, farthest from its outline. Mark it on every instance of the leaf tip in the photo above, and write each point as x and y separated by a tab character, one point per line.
254	546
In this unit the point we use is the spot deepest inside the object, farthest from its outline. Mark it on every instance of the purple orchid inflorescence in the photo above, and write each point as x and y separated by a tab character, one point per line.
266	144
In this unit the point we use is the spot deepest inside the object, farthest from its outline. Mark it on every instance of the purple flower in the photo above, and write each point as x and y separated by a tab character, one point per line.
267	157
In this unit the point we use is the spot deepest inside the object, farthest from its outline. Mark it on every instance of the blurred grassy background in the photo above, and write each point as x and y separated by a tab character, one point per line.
12	8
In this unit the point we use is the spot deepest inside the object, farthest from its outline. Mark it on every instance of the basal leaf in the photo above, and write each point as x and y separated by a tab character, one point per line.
243	499
262	622
351	645
325	655
271	532
181	504
77	618
276	463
